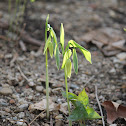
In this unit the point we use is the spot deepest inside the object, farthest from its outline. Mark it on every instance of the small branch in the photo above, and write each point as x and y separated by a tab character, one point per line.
23	35
22	74
99	105
35	118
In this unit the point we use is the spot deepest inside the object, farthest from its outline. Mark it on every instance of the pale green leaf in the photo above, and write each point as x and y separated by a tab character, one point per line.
66	56
53	34
83	97
75	61
86	53
62	37
32	0
92	114
47	43
68	67
50	46
124	29
57	56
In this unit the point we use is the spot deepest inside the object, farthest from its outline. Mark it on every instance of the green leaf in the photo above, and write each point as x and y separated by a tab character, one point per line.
57	57
79	113
83	97
124	29
82	110
92	114
75	61
50	46
32	0
47	43
46	26
62	37
68	67
66	56
85	52
71	96
53	34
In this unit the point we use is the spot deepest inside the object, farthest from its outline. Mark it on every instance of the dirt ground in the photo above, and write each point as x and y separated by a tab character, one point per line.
18	92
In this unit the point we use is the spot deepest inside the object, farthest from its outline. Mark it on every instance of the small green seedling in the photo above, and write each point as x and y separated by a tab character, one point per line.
69	51
32	0
82	110
52	46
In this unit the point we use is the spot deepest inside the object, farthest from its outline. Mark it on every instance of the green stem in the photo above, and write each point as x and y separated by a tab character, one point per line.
70	122
47	82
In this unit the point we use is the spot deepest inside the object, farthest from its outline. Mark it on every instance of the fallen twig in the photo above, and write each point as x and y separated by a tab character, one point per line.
35	118
96	92
22	74
22	34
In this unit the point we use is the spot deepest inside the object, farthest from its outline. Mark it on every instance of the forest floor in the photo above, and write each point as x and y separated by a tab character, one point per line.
22	67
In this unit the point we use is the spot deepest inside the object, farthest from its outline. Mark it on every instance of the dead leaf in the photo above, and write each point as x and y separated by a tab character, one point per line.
109	41
63	108
114	111
42	105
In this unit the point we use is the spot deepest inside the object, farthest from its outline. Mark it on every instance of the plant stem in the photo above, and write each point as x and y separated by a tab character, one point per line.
47	82
70	122
47	86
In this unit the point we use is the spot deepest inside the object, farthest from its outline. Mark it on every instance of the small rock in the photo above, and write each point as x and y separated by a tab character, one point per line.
7	110
6	91
39	88
31	83
3	102
21	115
20	122
23	106
74	86
119	101
121	56
58	123
46	124
112	70
99	122
12	101
14	118
113	125
7	56
59	117
30	97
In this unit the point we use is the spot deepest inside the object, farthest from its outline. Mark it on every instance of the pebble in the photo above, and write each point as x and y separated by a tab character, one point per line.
20	123
7	110
31	83
113	125
74	86
21	115
113	70
12	101
121	56
59	117
3	102
6	91
46	124
14	118
58	123
23	106
99	122
39	88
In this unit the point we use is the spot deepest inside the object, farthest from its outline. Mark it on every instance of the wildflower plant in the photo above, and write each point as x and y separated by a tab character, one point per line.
52	46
